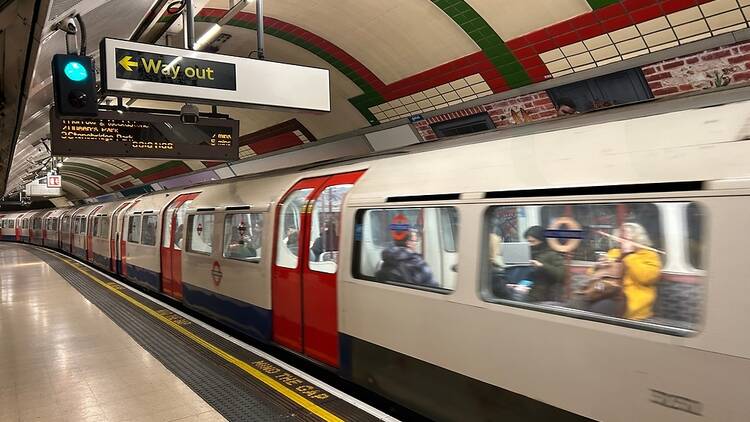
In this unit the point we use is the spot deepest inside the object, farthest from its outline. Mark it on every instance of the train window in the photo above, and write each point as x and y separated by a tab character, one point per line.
83	225
104	227
405	246
200	233
287	245
596	261
243	236
148	230
324	231
95	226
134	229
65	224
695	235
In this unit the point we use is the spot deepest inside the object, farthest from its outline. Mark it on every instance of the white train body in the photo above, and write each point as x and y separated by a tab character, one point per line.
296	257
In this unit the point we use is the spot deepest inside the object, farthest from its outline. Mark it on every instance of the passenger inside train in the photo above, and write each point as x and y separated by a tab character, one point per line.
634	261
412	246
242	236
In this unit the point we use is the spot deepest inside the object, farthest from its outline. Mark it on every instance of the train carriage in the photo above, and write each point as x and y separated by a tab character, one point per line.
101	246
52	227
81	226
141	240
308	258
8	227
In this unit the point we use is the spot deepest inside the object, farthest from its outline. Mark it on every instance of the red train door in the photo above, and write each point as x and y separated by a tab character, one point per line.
305	313
171	245
90	234
18	229
114	237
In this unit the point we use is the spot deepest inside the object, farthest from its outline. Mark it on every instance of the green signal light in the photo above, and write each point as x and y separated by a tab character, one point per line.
76	71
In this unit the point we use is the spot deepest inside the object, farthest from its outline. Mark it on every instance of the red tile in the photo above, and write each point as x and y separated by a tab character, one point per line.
525	52
559	28
591	31
610	12
517	43
538	73
648	13
566	39
544	46
631	5
533	61
585	19
617	23
671	6
536	36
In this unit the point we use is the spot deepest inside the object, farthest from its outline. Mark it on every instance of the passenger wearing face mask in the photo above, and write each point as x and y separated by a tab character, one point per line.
548	268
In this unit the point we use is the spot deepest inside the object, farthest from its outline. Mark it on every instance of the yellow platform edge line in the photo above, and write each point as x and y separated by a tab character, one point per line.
260	376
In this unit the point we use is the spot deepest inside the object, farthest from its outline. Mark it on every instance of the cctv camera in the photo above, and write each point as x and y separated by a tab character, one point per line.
68	25
189	114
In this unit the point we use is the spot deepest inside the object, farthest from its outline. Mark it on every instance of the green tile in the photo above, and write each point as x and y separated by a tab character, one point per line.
597	4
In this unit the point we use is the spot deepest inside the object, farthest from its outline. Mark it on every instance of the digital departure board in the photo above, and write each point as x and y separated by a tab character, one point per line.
144	135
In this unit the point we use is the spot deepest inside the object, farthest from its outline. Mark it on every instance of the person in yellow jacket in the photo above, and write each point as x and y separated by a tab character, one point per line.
642	270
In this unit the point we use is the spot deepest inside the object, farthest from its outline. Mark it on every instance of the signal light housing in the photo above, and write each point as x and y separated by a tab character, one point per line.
74	84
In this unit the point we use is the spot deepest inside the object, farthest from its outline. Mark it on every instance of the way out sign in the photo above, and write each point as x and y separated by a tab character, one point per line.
138	70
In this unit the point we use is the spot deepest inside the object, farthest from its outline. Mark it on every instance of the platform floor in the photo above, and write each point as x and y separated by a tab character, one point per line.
62	359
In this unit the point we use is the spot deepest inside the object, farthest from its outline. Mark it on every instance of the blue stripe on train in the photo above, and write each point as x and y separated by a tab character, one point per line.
144	277
102	261
79	252
242	316
10	237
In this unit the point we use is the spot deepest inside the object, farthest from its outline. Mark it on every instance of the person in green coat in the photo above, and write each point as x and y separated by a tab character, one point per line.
548	268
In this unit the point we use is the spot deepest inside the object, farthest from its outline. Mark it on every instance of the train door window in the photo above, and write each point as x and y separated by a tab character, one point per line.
95	226
179	224
83	225
134	229
695	235
148	230
288	243
25	223
104	227
600	261
243	236
403	247
200	233
324	230
65	224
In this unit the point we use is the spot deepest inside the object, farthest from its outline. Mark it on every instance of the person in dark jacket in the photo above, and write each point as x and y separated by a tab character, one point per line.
402	263
328	241
549	268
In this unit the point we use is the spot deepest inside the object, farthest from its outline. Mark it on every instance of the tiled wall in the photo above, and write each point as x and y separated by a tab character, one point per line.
512	111
708	69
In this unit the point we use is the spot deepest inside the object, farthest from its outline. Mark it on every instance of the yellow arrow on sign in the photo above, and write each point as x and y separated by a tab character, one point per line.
127	64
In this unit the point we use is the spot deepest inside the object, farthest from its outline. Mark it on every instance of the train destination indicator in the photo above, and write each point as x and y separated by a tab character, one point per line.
138	70
144	135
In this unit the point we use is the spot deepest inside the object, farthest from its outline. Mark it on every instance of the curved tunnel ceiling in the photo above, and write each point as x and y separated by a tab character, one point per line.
393	59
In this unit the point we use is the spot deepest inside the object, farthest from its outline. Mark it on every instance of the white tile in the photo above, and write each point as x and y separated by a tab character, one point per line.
481	87
562	73
430	92
558	66
444	88
450	96
584	67
725	20
659	38
630	46
718	6
419	96
684	16
597	42
608	61
691	29
604	53
580	59
664	46
473	79
635	54
552	55
465	92
459	83
730	29
653	25
624	34
572	49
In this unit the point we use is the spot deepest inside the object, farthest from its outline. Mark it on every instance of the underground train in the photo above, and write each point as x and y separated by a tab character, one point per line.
399	270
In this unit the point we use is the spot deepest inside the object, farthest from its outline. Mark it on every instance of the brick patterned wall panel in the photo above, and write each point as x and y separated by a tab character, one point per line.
509	112
713	68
